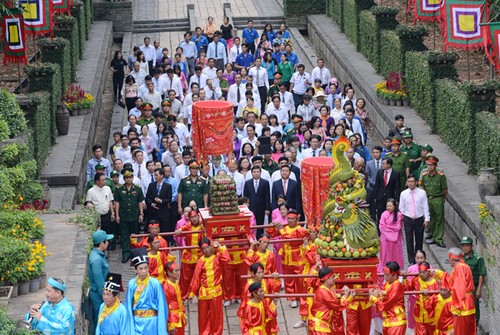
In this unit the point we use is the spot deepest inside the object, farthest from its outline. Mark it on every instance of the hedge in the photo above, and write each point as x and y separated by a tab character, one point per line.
453	117
303	7
391	53
41	118
487	153
336	8
11	113
88	17
351	22
47	77
67	27
78	12
369	38
57	51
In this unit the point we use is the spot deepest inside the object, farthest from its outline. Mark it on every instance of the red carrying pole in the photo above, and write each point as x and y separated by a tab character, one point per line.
170	234
306	295
264	226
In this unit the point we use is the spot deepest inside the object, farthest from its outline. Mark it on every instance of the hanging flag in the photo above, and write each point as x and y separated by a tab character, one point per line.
460	20
14	37
426	10
37	16
491	34
61	6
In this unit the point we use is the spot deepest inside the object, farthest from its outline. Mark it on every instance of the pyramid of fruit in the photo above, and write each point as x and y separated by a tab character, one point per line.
223	197
347	230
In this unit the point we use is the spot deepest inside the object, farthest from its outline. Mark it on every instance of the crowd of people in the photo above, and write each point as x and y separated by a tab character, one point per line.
153	182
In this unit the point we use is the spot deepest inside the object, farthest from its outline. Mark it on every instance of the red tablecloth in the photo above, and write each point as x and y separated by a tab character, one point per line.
314	174
212	127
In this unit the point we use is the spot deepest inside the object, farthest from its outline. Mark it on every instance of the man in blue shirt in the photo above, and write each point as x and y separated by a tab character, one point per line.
249	36
190	51
292	56
244	59
217	51
200	40
276	54
98	159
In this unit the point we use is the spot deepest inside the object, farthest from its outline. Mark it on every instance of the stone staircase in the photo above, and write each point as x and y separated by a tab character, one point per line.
259	22
166	25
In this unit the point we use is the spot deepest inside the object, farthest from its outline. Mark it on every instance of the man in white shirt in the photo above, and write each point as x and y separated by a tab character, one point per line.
172	82
350	97
415	209
235	50
176	107
279	110
252	120
101	198
123	151
149	53
198	78
180	130
353	123
277	174
190	51
321	72
167	158
313	151
210	70
299	82
152	97
261	80
139	165
148	177
138	74
212	92
143	89
182	170
217	51
159	82
136	111
286	99
236	91
238	177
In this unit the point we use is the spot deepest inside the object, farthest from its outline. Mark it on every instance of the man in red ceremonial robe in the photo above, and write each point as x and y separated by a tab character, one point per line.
176	310
441	304
231	274
158	259
269	286
358	316
256	312
153	229
207	286
391	301
424	321
292	253
325	304
461	285
259	253
190	257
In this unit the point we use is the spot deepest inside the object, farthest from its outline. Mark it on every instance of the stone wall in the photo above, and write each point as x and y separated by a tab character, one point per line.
118	12
491	257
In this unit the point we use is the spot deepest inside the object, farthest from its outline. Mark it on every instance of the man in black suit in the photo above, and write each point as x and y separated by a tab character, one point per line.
258	193
158	199
372	167
387	186
289	188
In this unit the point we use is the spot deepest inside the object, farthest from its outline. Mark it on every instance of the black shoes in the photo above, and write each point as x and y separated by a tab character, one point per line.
441	245
125	259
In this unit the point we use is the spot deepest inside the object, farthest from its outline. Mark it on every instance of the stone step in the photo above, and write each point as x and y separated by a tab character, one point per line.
161	21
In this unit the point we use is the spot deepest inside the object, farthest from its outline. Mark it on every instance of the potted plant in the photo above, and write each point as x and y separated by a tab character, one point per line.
72	99
5	294
87	103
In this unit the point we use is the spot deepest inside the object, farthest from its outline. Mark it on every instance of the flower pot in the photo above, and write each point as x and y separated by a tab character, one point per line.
15	290
34	285
82	111
5	294
62	120
24	288
487	182
406	102
43	280
392	102
73	112
399	103
386	101
89	110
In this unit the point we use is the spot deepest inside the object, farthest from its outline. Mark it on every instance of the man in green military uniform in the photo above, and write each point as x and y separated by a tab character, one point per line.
109	182
434	184
129	203
400	161
294	130
274	89
413	150
115	177
192	187
476	264
426	149
147	114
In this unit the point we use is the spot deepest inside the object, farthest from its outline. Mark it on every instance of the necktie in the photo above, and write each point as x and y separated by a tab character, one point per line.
139	173
378	164
283	97
216	56
171	80
314	153
238	50
412	204
321	74
187	170
238	93
256	185
159	188
199	82
258	76
386	177
152	178
284	187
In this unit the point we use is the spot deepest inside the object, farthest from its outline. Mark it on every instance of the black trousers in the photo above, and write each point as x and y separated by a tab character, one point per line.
251	48
108	226
297	99
263	98
130	102
414	233
150	66
117	86
259	221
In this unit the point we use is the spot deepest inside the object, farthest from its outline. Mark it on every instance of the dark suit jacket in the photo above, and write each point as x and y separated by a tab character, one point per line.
391	190
259	202
165	195
293	199
296	170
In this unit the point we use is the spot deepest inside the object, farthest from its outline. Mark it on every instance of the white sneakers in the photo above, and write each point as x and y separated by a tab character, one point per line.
294	304
300	324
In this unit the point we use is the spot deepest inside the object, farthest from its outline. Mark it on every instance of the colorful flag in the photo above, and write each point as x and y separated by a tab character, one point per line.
427	10
14	37
37	16
460	20
491	34
61	6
